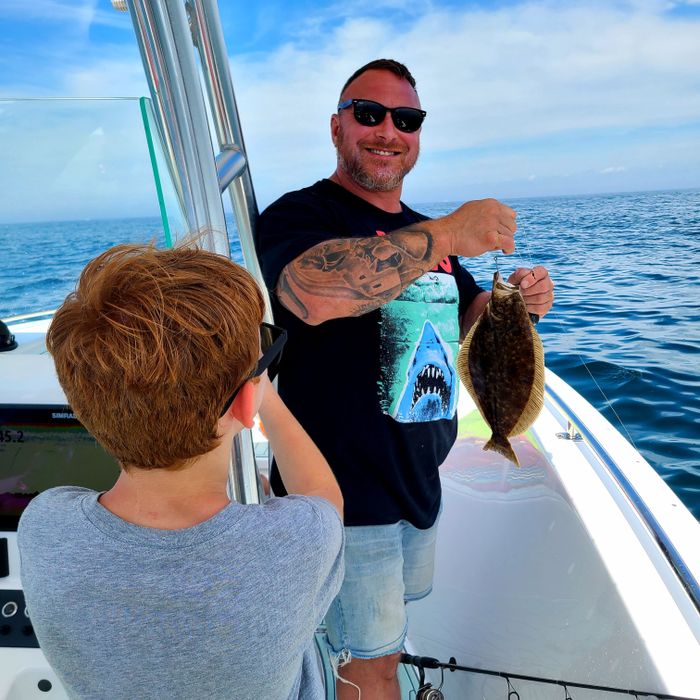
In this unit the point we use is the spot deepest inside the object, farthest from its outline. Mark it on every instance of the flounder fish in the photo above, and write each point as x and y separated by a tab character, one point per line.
501	363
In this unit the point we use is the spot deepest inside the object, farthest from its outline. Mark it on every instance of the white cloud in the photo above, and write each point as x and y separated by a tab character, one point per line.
561	90
488	79
113	74
73	14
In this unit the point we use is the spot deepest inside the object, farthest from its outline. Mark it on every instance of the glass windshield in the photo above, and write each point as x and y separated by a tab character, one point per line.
77	176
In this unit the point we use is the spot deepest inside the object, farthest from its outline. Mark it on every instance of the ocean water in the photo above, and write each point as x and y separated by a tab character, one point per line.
624	330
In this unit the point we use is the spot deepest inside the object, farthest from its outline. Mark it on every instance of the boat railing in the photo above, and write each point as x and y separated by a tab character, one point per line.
167	32
578	427
209	39
33	316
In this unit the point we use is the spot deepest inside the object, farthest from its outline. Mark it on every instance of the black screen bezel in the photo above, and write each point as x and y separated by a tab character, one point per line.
59	415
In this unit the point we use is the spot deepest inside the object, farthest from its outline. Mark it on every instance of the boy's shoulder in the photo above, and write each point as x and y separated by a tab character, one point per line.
305	511
56	497
51	509
300	524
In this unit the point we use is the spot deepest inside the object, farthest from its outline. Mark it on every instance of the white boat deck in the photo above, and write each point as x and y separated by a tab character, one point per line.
548	570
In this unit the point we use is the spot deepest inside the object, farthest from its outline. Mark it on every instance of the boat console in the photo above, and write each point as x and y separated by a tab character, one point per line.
42	445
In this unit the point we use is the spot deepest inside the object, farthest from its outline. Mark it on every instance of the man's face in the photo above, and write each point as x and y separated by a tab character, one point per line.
376	157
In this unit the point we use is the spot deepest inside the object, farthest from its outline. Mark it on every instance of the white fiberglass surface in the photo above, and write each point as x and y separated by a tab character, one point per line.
23	672
540	570
532	579
28	374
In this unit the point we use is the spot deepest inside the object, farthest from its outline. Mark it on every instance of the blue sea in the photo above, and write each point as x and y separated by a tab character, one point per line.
624	330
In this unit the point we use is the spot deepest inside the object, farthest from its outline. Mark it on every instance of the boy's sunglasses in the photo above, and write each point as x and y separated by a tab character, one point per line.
370	113
272	340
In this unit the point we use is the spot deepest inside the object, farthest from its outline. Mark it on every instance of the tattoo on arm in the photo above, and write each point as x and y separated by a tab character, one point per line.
286	295
367	271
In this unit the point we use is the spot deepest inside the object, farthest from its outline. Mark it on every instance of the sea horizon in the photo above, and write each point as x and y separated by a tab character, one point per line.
413	204
624	330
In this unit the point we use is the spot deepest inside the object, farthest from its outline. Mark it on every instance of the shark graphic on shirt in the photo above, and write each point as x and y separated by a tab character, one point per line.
418	345
429	393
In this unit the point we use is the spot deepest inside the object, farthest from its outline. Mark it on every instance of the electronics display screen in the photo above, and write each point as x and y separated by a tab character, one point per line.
43	447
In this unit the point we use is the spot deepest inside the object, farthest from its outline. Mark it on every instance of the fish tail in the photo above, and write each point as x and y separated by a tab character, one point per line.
500	444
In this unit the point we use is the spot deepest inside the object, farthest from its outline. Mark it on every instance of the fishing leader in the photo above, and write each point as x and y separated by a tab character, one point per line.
375	302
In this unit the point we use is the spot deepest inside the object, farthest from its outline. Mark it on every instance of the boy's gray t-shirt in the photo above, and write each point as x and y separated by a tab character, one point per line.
225	609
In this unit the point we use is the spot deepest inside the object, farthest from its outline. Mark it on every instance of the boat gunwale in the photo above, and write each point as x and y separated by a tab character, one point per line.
641	507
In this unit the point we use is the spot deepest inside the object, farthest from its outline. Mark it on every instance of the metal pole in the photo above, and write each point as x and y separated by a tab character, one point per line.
165	42
209	39
164	39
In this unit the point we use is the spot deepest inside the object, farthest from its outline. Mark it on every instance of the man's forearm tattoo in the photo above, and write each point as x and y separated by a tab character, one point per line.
370	271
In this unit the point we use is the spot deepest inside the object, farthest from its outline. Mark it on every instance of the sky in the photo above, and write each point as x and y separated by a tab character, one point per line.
524	99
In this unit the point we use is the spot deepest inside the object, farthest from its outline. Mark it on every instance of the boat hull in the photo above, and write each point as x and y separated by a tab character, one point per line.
550	570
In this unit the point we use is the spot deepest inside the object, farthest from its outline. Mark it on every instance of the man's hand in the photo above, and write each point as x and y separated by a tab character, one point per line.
478	227
537	288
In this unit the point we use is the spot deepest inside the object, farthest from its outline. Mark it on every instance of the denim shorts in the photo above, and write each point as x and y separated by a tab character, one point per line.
386	566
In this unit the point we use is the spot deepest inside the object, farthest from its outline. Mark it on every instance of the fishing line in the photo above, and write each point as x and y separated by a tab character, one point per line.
554	316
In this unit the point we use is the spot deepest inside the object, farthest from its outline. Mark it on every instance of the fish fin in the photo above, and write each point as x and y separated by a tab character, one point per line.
503	447
535	402
462	365
465	375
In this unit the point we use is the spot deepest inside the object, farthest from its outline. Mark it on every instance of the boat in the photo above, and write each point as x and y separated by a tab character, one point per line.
573	576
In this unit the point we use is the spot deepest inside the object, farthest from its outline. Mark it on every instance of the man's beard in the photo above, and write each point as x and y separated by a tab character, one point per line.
379	181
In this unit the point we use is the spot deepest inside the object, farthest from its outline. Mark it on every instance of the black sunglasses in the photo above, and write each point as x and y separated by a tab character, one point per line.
272	340
370	113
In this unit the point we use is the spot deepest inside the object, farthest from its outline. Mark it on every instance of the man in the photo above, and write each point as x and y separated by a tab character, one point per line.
161	587
375	302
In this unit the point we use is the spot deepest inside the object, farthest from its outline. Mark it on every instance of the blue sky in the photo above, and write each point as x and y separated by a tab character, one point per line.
523	98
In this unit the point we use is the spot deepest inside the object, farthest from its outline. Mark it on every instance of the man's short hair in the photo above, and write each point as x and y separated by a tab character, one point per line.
389	64
151	344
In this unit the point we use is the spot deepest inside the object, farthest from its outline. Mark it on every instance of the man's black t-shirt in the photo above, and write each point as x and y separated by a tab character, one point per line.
377	393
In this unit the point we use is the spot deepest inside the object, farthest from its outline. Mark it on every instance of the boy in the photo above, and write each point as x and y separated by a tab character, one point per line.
161	587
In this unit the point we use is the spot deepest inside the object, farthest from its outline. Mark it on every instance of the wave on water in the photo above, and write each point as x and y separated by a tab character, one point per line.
624	330
625	327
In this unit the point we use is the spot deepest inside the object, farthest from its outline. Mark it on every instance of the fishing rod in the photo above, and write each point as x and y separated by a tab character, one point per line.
427	692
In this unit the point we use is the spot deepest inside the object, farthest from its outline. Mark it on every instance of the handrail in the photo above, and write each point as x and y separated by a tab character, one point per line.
163	36
165	42
674	557
32	315
209	40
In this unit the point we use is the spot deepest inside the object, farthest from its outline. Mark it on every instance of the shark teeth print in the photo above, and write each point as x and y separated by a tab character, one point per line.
431	380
